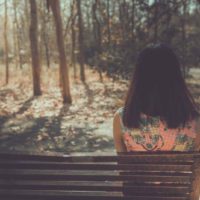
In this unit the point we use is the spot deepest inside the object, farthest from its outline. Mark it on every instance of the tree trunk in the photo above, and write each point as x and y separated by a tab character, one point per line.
55	7
108	22
45	34
124	16
80	40
156	22
19	57
184	37
97	35
73	35
34	49
133	21
15	44
46	45
6	43
96	27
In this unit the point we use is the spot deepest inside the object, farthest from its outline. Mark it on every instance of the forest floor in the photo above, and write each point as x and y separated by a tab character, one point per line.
44	124
38	124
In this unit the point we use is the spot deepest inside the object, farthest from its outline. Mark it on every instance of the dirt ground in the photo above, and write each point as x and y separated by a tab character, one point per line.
41	124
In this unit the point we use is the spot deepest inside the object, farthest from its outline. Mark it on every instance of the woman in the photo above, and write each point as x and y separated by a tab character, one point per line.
159	112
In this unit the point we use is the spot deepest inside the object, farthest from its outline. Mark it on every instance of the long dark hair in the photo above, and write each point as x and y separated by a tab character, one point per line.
158	89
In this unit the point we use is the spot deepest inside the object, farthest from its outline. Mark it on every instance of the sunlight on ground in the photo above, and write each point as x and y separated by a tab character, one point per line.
44	124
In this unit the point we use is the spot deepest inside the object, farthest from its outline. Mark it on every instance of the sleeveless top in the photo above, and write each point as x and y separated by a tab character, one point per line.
153	135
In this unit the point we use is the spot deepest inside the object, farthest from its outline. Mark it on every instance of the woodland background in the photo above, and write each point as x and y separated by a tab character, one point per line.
65	66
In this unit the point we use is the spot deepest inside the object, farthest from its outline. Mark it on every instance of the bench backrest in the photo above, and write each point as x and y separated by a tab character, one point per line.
129	176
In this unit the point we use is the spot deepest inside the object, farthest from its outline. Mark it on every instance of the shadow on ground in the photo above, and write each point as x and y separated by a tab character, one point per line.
51	133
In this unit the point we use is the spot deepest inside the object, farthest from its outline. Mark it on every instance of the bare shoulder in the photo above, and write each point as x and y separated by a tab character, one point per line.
116	119
118	116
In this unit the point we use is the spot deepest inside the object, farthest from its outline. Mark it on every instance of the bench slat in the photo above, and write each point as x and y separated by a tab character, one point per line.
96	166
96	172
93	186
66	175
108	183
80	195
124	157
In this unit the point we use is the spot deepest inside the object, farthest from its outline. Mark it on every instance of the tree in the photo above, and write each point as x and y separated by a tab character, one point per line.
108	22
97	34
183	27
45	34
80	41
6	43
133	20
123	16
34	49
18	40
64	74
156	20
73	35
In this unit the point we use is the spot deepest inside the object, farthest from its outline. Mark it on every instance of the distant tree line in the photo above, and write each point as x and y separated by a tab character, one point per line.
115	31
104	34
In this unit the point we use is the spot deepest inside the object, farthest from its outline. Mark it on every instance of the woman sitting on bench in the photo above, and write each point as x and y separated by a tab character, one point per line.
159	112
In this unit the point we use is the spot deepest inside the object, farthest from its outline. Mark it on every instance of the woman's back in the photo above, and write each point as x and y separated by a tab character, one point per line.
153	135
159	111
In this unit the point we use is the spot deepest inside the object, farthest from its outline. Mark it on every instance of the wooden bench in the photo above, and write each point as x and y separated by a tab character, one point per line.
130	176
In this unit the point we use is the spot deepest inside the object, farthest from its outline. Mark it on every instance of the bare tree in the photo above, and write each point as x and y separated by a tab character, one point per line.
55	7
33	34
18	40
124	16
133	20
44	33
156	21
183	27
80	41
6	42
108	22
97	34
73	36
96	26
